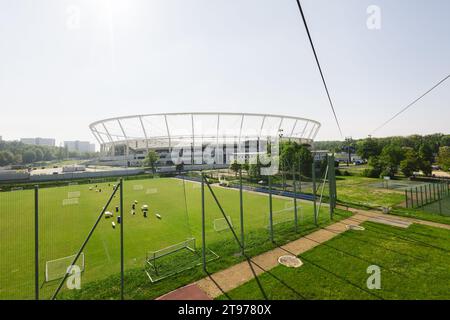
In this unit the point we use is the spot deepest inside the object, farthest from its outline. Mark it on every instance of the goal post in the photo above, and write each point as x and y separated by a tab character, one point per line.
56	269
152	256
286	214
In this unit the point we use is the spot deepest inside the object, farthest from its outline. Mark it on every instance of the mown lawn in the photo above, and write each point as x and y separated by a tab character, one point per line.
63	228
414	264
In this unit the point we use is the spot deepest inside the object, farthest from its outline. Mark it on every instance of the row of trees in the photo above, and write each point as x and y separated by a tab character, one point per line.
387	156
373	146
14	152
292	157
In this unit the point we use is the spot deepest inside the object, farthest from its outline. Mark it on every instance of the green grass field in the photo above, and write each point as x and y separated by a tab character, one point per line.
413	262
64	227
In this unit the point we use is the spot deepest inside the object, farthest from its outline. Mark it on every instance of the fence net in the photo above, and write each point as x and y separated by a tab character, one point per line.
429	197
162	224
17	244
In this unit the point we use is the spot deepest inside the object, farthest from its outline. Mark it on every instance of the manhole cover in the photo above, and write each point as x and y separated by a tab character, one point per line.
355	227
290	261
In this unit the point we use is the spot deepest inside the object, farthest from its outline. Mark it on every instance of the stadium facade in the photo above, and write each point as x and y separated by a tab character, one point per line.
188	137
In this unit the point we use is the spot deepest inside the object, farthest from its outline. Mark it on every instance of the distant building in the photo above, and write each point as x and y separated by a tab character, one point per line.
39	141
79	146
73	168
319	155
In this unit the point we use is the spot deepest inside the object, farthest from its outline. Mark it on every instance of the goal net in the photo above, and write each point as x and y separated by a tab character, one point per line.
221	224
171	260
71	201
188	244
285	214
73	194
56	269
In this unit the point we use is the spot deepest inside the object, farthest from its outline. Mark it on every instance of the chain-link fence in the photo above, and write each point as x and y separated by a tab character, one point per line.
95	240
431	197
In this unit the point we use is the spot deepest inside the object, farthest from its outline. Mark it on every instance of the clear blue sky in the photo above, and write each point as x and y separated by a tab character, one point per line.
141	56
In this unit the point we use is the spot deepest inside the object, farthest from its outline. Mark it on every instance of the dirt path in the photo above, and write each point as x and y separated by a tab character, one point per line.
223	281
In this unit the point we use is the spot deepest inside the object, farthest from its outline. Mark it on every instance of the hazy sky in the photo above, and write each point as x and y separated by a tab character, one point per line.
65	64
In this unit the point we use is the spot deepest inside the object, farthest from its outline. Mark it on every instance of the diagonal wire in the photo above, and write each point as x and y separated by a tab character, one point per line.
318	65
411	104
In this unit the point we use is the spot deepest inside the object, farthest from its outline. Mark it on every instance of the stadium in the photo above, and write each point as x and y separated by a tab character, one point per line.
126	140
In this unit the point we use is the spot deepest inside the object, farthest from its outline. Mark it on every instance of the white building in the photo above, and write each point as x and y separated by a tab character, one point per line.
39	141
79	146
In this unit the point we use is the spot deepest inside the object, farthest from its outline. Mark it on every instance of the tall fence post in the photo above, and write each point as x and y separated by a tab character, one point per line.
406	198
421	196
426	194
412	197
331	184
295	200
121	242
203	224
241	210
36	242
417	198
313	175
270	209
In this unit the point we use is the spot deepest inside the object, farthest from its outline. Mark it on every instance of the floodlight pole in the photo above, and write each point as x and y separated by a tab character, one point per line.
36	242
121	241
203	224
241	210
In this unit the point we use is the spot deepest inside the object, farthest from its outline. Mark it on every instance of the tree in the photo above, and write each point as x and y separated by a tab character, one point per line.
29	156
235	167
6	158
179	167
254	171
445	141
367	148
375	168
306	159
48	155
151	159
425	167
390	159
426	152
410	163
444	157
39	154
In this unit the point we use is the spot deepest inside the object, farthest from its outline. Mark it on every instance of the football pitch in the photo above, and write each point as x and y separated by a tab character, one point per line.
67	214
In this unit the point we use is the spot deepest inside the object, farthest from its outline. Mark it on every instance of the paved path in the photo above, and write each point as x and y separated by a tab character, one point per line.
223	281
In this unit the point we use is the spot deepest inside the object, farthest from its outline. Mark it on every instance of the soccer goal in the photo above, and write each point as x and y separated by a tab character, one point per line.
71	201
56	269
284	215
221	224
73	194
154	258
151	191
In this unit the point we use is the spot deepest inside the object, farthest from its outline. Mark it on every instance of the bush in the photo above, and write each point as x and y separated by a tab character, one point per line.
371	173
